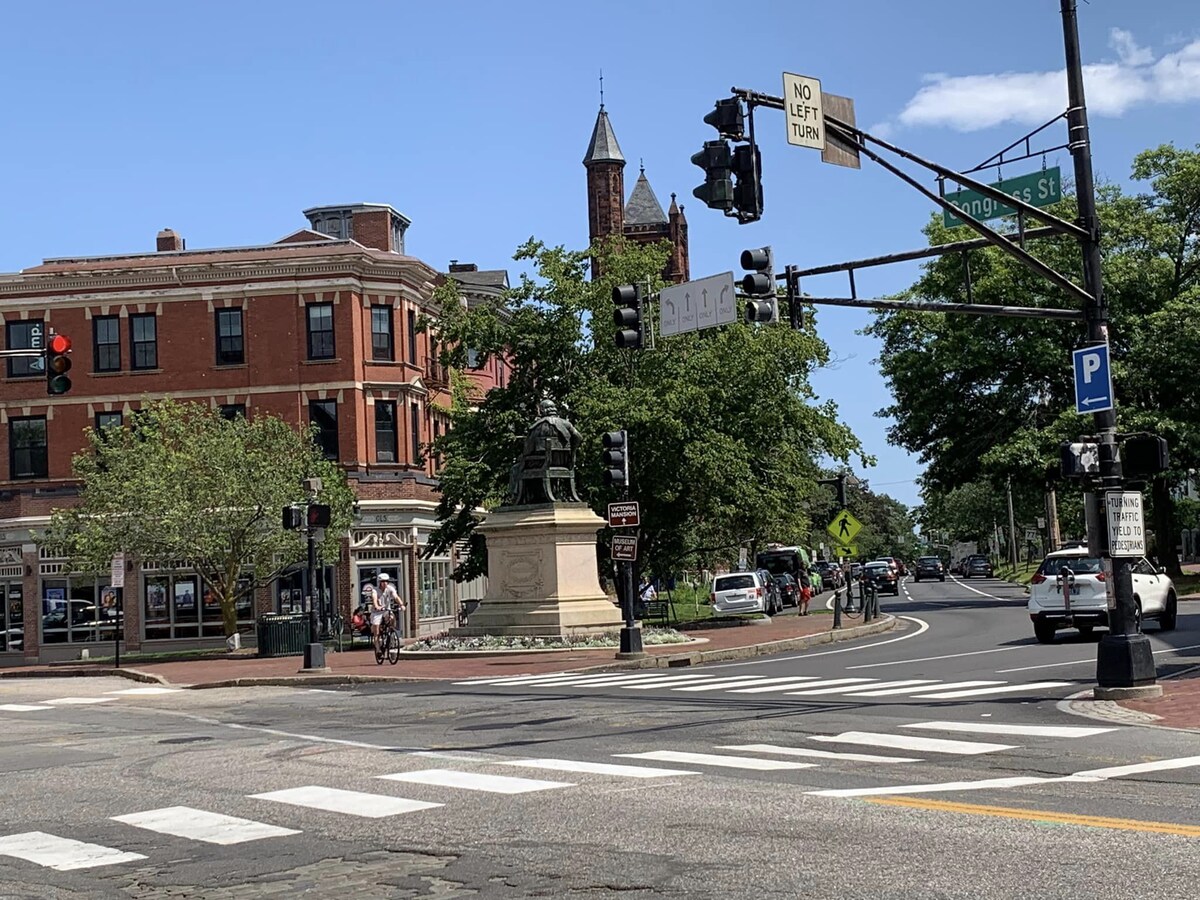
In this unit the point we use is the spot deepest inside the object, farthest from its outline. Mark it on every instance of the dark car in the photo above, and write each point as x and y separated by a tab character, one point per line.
883	576
930	567
789	589
831	574
774	602
978	565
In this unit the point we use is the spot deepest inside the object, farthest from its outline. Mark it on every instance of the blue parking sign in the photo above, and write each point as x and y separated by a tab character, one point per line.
1093	380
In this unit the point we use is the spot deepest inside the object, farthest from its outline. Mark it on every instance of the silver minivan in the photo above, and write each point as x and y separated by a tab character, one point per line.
738	593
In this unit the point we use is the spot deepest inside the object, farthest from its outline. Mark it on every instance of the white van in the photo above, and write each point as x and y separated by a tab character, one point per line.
739	593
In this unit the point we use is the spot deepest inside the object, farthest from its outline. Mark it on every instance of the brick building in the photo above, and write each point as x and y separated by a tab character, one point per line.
641	219
320	327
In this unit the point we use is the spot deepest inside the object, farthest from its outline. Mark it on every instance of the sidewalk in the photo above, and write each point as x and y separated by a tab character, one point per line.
784	633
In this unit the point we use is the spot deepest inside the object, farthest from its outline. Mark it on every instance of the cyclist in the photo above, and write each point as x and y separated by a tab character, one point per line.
389	600
376	610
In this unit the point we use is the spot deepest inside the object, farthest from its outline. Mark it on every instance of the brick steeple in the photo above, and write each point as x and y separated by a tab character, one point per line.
605	183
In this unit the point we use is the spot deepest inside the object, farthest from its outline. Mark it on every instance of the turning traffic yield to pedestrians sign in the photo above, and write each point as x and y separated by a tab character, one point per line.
1093	380
844	528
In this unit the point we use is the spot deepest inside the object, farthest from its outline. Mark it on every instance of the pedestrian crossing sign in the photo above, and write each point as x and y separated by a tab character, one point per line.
844	527
846	550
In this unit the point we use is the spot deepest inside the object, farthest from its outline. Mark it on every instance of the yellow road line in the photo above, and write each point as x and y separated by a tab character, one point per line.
1040	816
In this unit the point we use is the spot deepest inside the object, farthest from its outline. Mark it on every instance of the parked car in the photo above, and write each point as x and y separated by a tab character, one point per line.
742	592
881	574
855	571
831	573
1086	604
929	567
977	564
789	589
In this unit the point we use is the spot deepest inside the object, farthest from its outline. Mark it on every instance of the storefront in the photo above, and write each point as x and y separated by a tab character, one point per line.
12	592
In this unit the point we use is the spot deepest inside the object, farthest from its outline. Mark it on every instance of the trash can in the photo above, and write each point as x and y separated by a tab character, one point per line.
282	635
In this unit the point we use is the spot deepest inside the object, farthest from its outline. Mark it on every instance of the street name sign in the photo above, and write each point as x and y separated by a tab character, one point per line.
844	527
1126	527
621	515
1037	189
1093	379
704	303
803	111
624	547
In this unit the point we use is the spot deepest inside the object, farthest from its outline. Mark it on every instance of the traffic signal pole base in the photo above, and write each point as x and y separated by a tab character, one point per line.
1145	692
631	643
1125	662
314	659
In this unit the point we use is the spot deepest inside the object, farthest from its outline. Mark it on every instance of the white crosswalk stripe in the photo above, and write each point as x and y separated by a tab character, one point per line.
852	688
201	825
987	692
145	691
831	686
713	759
63	854
811	753
786	684
726	684
888	692
1063	731
352	803
24	707
911	742
80	701
609	679
592	768
666	681
475	781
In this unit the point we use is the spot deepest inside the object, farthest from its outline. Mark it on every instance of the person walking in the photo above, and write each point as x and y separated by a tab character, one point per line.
805	590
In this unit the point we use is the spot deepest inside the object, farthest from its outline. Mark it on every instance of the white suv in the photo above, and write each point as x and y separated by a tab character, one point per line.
741	592
1087	605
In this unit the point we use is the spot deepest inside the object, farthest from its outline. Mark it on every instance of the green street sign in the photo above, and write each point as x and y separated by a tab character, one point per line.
1036	188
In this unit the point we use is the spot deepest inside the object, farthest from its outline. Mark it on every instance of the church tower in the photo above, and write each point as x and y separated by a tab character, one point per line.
605	183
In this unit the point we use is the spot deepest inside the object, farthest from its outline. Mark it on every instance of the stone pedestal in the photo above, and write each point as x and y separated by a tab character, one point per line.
542	576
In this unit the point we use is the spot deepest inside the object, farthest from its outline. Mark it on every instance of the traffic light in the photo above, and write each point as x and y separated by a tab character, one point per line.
759	285
318	515
293	518
747	191
627	316
729	120
1144	455
58	364
1079	459
795	311
717	191
616	459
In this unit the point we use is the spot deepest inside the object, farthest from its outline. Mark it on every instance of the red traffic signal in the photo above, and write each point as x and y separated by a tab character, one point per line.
58	364
319	515
60	343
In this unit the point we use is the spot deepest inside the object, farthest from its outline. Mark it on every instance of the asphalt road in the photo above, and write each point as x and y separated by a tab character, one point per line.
723	781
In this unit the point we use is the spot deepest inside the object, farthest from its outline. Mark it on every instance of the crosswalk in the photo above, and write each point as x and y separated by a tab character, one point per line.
908	744
107	697
778	687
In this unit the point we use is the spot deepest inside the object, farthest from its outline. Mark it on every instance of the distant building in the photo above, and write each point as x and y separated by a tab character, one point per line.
318	327
640	219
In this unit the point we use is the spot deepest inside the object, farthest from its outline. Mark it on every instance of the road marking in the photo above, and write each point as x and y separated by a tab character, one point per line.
1034	815
983	692
23	707
592	768
714	759
1080	662
924	626
474	781
61	853
786	684
200	825
1158	765
903	662
889	691
1065	731
664	681
523	679
854	687
986	784
606	680
351	803
816	754
724	683
148	691
80	701
912	742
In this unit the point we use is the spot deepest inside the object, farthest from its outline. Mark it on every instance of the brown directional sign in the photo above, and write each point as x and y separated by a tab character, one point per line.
624	547
837	150
624	514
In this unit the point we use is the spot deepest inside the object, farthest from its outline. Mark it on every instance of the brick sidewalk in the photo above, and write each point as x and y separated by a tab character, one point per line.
781	634
1178	707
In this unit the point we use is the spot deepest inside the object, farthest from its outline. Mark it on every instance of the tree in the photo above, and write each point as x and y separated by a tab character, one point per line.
724	428
178	481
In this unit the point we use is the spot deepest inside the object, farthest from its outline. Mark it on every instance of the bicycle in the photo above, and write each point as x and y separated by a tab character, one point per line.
337	627
388	644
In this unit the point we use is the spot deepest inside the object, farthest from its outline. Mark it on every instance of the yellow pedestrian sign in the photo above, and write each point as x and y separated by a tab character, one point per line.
844	527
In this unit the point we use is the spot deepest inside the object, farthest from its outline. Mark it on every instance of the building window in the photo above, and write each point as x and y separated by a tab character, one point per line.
414	418
435	590
323	415
291	589
179	606
382	344
385	431
320	331
412	336
106	343
143	335
78	609
26	335
12	616
231	411
231	350
108	420
28	455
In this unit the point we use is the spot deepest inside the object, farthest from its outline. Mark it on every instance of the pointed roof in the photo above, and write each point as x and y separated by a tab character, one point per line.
643	207
603	146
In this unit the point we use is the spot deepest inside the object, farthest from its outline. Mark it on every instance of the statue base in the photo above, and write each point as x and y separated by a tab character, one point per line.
542	578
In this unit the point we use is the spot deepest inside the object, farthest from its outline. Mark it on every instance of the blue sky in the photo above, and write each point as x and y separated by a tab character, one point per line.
224	121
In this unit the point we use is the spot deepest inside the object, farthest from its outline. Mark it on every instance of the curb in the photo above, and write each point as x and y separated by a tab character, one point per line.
98	671
484	654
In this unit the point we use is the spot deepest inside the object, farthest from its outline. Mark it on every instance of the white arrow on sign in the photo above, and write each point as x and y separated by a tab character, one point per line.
703	303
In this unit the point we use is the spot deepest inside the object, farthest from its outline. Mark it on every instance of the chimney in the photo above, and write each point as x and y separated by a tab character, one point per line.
456	266
169	240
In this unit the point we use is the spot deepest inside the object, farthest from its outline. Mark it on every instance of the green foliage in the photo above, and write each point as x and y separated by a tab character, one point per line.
179	482
724	428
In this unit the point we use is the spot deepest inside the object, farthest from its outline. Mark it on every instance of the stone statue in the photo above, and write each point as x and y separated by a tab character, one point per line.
545	471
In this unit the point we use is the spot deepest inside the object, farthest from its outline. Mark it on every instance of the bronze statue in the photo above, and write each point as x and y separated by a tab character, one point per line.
545	472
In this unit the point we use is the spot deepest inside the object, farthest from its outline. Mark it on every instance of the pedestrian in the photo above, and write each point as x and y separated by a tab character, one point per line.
805	590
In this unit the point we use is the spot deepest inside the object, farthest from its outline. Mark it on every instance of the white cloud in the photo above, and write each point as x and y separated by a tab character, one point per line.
974	102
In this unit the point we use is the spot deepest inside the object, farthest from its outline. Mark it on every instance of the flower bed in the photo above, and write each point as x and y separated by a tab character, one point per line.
520	642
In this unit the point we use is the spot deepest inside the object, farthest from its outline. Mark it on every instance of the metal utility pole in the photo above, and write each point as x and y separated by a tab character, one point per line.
314	650
1124	663
1012	529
